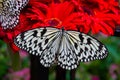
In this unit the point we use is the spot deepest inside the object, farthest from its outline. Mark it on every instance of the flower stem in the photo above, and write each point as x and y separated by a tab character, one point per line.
37	71
15	59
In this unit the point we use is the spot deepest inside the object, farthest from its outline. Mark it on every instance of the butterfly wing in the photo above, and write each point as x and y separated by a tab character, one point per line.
67	58
9	12
68	47
78	47
40	41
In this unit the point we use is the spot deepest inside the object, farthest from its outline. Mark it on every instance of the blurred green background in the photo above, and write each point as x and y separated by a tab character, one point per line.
16	65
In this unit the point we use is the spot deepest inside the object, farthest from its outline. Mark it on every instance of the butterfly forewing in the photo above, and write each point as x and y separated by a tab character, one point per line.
36	40
66	48
9	12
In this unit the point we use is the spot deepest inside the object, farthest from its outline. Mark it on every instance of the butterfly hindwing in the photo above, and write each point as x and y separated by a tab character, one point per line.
49	54
67	57
10	11
66	48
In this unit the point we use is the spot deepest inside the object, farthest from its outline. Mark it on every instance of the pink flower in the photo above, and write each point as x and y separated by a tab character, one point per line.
95	78
23	53
23	74
114	71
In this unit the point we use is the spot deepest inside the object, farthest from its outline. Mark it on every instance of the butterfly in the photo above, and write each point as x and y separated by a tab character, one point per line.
66	48
10	11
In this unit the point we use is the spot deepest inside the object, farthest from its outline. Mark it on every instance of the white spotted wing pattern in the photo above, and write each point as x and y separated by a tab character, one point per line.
10	11
66	48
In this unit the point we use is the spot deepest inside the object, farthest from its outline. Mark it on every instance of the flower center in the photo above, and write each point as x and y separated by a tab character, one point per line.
54	22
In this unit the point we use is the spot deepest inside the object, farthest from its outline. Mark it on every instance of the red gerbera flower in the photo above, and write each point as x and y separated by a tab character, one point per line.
67	15
56	14
102	18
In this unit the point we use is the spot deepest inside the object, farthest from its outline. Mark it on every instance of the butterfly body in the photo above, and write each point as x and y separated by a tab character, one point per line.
66	48
10	11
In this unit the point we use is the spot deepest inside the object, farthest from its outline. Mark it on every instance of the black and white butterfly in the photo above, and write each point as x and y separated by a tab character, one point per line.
10	11
66	48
